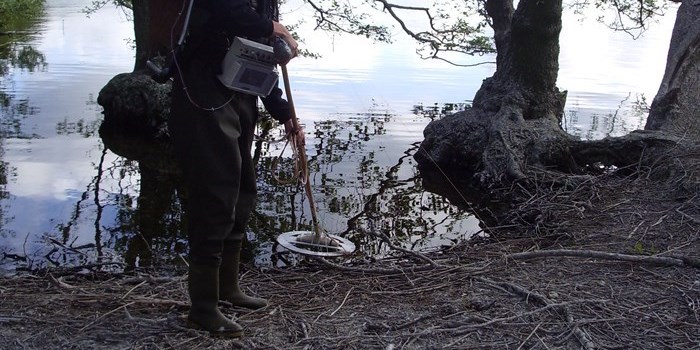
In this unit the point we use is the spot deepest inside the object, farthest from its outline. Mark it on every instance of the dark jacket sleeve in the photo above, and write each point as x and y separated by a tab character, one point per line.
237	18
277	106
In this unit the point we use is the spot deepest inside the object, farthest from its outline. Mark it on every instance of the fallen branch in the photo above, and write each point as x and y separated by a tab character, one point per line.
59	282
399	271
593	254
66	247
687	216
529	336
468	328
154	301
386	240
562	308
104	315
343	303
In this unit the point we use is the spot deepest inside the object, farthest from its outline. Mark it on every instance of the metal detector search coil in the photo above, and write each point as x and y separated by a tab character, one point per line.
249	67
310	243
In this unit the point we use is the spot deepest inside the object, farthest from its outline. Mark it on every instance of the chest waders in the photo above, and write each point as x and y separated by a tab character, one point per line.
212	130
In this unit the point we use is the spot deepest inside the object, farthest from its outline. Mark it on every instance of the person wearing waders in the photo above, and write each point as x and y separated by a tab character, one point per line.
212	131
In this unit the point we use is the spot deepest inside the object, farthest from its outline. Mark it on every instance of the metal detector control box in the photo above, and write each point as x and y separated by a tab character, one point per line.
249	67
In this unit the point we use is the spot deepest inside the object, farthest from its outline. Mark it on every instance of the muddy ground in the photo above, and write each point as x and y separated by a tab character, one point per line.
623	273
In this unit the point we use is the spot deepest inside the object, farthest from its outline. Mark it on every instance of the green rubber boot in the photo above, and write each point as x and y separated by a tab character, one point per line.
229	289
203	285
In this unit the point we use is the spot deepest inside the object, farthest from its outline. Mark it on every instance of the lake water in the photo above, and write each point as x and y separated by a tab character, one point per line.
66	200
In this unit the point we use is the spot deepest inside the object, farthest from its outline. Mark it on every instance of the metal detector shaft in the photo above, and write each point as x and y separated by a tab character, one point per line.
302	155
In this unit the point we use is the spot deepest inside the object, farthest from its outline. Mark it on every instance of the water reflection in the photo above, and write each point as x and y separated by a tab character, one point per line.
15	54
363	182
149	227
436	111
590	123
83	127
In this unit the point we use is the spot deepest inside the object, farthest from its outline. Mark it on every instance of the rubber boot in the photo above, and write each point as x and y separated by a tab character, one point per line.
229	288
203	285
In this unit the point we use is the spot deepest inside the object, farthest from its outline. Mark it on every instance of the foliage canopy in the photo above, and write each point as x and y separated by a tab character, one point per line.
463	26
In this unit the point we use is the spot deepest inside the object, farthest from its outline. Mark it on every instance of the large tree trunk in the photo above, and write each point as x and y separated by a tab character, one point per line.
155	28
513	124
511	144
675	107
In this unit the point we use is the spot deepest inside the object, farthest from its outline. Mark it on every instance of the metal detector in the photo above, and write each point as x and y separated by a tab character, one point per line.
317	242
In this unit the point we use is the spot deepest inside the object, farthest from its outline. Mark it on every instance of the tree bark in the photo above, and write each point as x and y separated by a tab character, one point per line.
157	25
674	109
501	13
532	57
141	33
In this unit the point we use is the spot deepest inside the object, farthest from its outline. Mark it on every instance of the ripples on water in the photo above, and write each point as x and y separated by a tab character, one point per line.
64	200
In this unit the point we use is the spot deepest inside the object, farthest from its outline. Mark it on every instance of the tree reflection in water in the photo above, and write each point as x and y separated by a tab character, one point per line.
363	182
363	179
360	183
15	54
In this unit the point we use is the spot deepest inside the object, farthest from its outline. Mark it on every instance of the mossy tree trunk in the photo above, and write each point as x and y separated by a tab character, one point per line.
136	108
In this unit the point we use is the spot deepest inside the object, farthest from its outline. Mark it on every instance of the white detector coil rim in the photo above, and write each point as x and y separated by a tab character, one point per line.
290	240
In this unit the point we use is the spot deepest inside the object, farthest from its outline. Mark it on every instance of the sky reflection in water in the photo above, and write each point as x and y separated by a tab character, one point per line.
63	190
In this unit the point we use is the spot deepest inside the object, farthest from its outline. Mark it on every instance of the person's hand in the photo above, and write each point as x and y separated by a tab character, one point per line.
281	31
296	136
